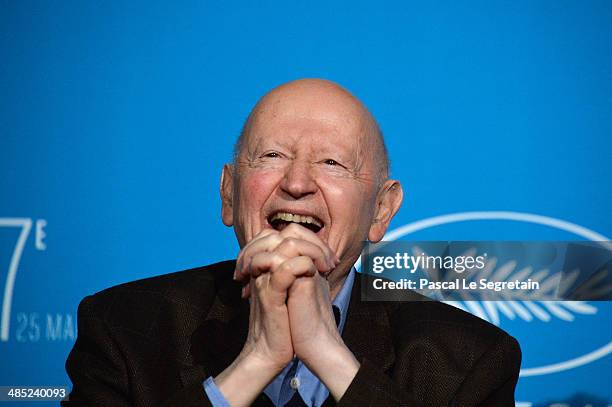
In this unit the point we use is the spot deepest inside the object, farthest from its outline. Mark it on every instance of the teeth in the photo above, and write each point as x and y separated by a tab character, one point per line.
291	217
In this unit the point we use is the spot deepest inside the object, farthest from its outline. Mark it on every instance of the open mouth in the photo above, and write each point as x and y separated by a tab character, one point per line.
281	220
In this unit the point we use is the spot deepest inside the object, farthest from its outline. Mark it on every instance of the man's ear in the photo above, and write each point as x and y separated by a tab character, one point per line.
227	195
388	202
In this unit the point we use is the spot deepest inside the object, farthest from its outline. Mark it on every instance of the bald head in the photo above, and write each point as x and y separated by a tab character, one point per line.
327	100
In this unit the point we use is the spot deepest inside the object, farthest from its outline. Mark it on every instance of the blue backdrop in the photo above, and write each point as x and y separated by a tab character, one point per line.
115	121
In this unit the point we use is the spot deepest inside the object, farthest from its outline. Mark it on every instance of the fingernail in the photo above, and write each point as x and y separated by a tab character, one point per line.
234	278
243	291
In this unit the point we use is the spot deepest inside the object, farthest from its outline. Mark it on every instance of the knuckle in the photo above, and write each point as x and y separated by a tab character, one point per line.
256	262
277	260
276	239
285	267
290	243
306	261
256	258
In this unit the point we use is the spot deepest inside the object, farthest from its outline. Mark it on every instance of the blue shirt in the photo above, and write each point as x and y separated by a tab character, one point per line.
295	376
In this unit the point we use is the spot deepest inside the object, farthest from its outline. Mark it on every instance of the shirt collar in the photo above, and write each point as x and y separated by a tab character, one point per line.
342	299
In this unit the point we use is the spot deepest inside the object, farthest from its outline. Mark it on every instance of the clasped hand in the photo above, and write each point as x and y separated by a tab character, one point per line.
284	276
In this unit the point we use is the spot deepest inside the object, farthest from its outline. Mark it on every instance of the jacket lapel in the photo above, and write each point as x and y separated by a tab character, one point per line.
219	338
368	330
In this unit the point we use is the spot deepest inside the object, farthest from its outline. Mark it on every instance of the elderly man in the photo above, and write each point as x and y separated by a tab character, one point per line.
283	325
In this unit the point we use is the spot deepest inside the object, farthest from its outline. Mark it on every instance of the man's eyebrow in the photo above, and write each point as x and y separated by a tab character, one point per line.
262	141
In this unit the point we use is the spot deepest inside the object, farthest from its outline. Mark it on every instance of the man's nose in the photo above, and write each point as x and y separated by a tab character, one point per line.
298	180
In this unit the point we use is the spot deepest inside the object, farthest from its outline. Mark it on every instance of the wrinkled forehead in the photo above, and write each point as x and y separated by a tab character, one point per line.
334	119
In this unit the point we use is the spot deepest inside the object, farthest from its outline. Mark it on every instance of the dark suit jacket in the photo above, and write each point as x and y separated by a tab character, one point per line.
154	341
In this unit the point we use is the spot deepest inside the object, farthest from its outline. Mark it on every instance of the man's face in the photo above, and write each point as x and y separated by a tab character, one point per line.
307	158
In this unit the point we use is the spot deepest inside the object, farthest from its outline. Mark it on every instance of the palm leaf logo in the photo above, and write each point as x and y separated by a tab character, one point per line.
520	304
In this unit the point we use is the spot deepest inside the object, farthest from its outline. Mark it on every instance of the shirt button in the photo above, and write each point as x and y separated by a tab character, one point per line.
294	383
